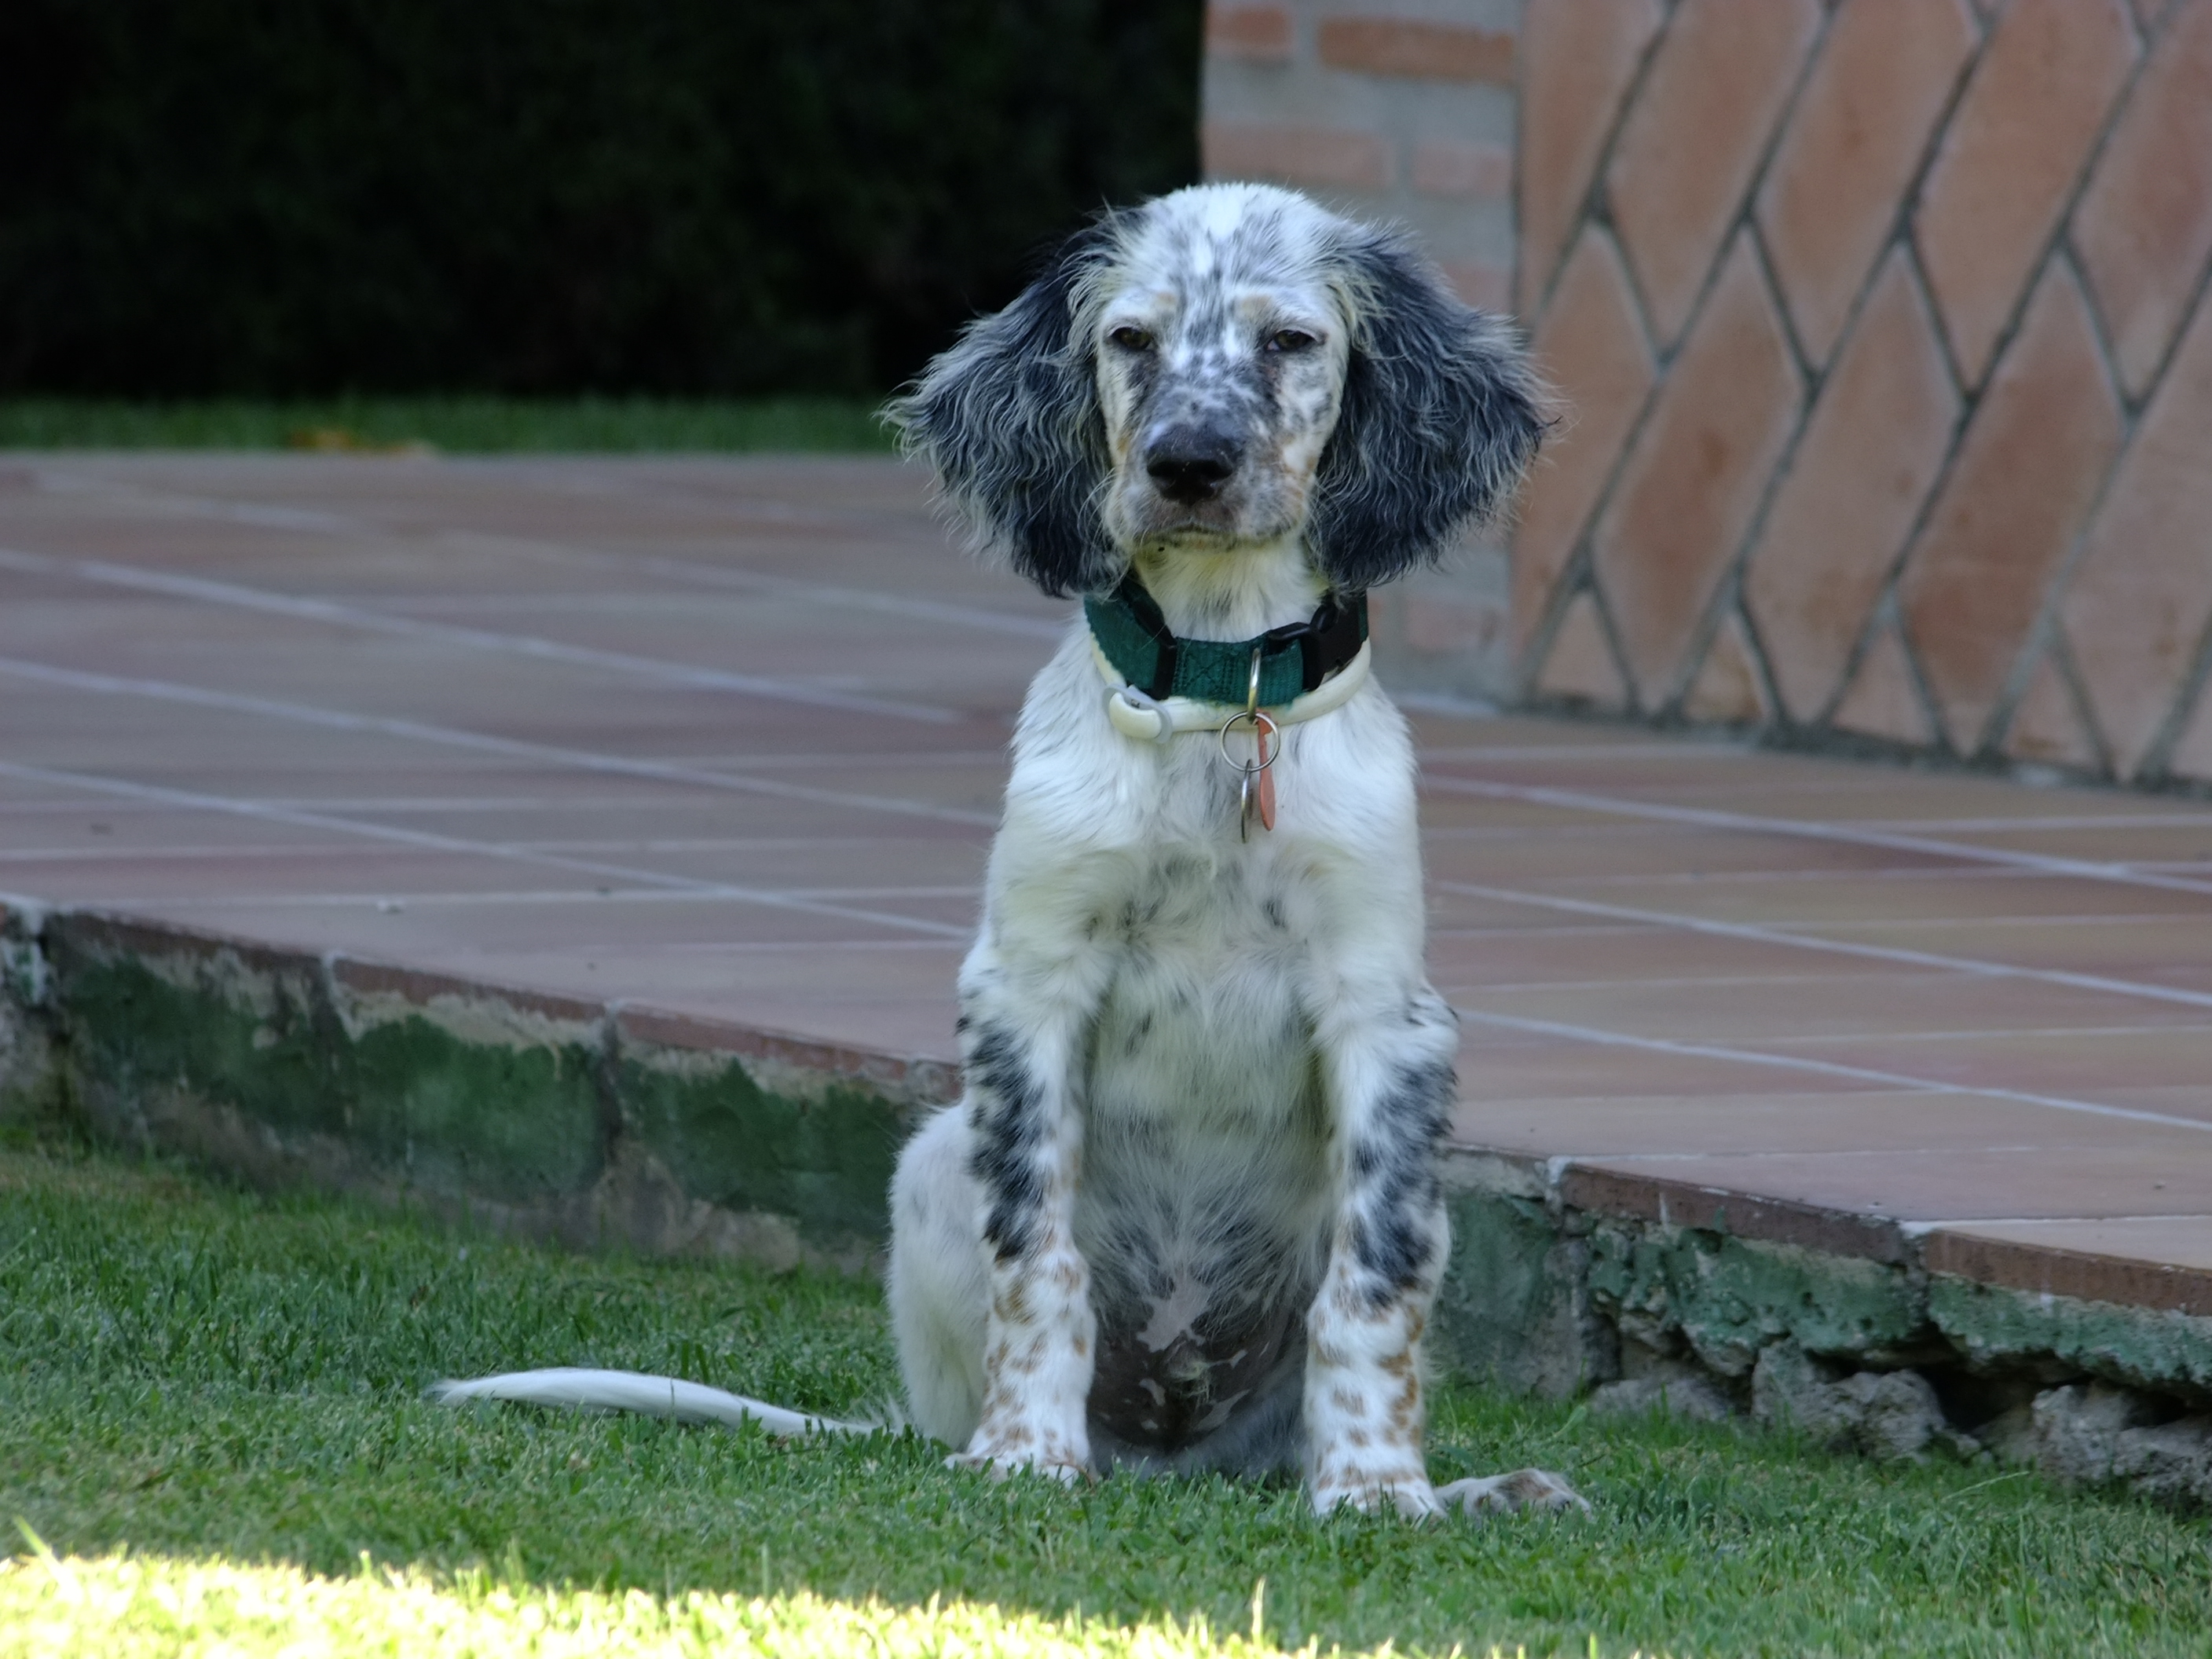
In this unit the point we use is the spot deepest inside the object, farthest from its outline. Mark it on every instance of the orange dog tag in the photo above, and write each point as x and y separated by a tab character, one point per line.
1255	794
1263	787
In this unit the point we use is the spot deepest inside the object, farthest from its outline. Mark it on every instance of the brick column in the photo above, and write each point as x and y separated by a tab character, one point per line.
1401	112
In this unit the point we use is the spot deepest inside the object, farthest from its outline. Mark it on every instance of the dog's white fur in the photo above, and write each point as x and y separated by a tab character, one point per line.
1188	1215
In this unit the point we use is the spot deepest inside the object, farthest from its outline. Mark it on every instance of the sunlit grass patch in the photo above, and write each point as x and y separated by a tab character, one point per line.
129	1606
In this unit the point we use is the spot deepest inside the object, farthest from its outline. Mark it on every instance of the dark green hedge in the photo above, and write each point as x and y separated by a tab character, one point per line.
297	197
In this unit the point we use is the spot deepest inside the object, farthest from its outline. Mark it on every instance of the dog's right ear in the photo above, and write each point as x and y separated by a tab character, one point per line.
1009	419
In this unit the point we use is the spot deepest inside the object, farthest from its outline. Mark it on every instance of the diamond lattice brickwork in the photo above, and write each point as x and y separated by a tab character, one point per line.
1881	700
1718	82
2142	601
1693	475
1578	58
1853	143
1887	359
2046	725
2020	490
2023	132
1849	498
1590	341
2144	228
2192	754
1727	686
1581	665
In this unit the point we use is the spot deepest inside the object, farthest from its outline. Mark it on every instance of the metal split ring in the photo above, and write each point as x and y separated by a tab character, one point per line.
1261	719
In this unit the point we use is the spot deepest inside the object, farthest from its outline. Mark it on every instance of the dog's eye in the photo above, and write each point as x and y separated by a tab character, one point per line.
1290	339
1130	339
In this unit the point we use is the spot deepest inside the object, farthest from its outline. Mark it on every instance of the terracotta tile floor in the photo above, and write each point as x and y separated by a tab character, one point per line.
724	739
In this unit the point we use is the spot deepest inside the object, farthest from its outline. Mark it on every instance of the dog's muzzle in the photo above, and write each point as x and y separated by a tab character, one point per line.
1188	464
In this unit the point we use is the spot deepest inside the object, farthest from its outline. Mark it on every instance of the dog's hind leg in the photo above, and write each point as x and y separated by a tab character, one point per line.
940	1284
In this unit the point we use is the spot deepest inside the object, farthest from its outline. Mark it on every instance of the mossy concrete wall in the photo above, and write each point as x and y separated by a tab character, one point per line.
1551	1294
523	1112
30	1073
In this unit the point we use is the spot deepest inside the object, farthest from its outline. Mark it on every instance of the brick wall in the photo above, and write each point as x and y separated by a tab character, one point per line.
1400	111
1884	329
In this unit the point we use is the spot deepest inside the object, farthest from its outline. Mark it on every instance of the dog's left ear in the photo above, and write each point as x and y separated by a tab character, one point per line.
1009	420
1438	421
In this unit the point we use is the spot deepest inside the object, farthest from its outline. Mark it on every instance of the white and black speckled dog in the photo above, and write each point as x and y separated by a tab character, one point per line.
1188	1216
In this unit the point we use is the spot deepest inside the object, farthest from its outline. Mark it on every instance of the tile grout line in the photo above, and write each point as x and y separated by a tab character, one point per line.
330	613
403	899
482	743
189	851
1754	1155
1816	1068
1754	931
1983	1033
757	582
1816	830
1919	1228
262	812
676	569
453	804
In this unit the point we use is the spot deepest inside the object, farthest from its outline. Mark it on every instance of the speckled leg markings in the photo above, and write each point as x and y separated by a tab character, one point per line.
1391	1086
1040	1339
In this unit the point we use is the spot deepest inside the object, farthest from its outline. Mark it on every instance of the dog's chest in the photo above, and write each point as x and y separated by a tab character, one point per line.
1202	1202
1205	1192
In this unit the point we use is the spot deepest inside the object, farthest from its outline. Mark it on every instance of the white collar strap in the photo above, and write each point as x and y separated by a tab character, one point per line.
1156	720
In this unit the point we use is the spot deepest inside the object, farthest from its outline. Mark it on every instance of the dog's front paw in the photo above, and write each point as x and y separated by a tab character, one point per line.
1502	1494
1000	1468
1410	1496
1001	1455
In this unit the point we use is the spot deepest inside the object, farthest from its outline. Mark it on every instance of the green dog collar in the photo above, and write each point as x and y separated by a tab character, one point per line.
1136	639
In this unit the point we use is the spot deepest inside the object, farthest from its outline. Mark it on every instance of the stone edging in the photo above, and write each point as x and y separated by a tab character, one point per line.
1857	1331
592	1123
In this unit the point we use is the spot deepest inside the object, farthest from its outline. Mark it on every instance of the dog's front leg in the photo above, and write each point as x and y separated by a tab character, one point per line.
1391	1086
1388	1070
1022	1025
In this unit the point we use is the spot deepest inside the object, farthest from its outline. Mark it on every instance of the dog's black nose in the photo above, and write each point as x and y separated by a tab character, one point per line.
1190	464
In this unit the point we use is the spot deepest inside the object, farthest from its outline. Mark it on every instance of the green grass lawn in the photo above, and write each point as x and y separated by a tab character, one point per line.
210	1422
456	424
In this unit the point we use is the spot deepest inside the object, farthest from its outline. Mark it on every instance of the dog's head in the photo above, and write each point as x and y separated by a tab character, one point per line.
1227	366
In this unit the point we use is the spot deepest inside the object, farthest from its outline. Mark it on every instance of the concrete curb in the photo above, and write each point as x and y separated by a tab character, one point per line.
593	1124
1615	1264
1856	1330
